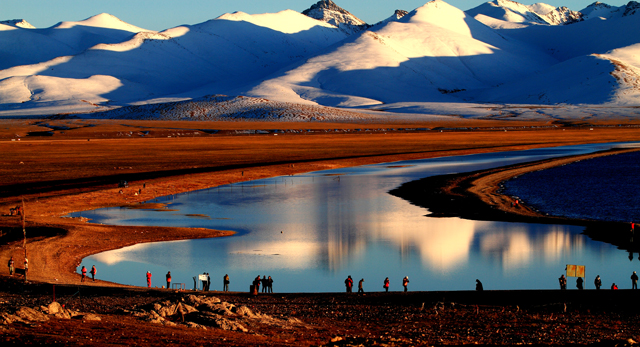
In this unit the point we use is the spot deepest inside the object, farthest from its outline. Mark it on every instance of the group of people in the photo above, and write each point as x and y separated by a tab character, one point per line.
206	284
349	284
597	282
267	284
93	272
12	268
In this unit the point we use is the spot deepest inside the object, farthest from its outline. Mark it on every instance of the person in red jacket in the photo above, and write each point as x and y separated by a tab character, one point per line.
148	279
84	273
386	284
93	272
405	282
348	283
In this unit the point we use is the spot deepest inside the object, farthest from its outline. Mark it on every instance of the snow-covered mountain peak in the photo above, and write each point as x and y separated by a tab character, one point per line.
541	8
394	17
595	6
287	21
103	20
601	10
440	14
327	11
562	15
508	11
18	23
514	12
632	8
400	13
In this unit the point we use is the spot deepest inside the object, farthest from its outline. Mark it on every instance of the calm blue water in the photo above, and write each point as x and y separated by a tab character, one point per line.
604	188
310	231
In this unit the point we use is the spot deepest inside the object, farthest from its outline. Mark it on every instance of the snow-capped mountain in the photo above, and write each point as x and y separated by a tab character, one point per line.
394	17
604	11
22	44
328	11
561	15
502	52
18	23
511	11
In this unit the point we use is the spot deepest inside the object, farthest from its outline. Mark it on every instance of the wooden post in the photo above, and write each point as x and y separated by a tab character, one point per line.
24	230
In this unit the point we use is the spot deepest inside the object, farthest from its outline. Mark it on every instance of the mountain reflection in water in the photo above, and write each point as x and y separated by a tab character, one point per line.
310	231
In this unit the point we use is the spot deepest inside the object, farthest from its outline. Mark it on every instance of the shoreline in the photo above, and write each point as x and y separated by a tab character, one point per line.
477	196
56	252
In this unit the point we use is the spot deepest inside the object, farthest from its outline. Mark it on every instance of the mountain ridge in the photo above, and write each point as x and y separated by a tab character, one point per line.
435	53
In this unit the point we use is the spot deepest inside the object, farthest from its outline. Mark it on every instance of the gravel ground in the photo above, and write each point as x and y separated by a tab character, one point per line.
571	317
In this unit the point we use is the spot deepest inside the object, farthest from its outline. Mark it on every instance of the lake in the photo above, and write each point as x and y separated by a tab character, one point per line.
310	231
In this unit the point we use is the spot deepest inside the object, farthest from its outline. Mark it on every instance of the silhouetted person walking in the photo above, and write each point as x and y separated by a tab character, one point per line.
579	282
386	285
405	283
597	282
634	281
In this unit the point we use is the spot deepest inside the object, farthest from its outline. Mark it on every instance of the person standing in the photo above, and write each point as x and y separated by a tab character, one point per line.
169	280
405	283
225	282
349	284
634	281
563	282
265	284
386	285
270	284
579	282
93	272
148	279
208	282
256	284
360	289
479	286
597	282
11	268
26	267
84	273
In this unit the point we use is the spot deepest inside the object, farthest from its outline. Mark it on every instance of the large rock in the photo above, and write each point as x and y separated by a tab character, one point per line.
54	307
215	320
90	317
32	315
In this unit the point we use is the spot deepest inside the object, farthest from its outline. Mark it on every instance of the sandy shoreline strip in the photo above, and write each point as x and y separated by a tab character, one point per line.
476	195
56	244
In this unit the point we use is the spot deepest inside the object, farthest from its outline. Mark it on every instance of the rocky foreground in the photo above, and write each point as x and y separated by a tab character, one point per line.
82	315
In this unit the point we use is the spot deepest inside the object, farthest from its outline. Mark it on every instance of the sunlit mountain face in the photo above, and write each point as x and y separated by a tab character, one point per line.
434	57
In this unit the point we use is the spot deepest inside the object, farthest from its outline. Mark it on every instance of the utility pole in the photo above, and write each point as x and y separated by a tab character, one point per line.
24	230
24	243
